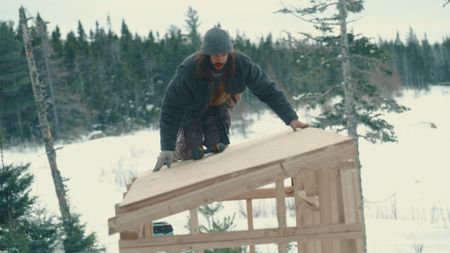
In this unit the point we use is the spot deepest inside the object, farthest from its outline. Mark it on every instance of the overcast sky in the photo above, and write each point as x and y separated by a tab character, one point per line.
254	18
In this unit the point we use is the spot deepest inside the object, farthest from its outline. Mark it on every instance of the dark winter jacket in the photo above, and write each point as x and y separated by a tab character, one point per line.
188	96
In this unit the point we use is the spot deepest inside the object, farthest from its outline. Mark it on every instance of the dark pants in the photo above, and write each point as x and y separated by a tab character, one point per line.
210	129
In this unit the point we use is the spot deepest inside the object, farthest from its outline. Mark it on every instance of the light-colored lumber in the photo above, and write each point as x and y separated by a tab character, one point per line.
281	204
281	211
311	186
193	218
249	205
148	230
297	184
329	205
282	248
262	193
237	238
234	159
351	196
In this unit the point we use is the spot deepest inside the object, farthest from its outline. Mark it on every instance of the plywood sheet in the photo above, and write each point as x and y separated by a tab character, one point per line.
235	160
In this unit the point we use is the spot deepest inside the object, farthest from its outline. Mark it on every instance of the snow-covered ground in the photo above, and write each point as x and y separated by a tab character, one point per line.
407	180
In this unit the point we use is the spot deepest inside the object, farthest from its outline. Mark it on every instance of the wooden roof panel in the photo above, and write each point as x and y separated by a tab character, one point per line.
234	161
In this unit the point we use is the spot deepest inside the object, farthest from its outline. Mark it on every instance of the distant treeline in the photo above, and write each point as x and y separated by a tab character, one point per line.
100	80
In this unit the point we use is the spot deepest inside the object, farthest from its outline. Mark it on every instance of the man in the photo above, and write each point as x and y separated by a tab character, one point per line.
195	108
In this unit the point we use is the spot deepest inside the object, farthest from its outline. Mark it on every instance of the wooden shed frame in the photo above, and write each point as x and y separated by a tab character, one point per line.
325	186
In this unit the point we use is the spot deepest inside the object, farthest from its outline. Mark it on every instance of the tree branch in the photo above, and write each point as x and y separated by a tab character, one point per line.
319	95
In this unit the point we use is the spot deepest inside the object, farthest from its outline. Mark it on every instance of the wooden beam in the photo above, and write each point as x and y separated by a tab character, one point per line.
297	184
148	229
193	215
249	206
281	211
312	201
265	193
238	238
311	187
350	204
281	204
329	206
350	196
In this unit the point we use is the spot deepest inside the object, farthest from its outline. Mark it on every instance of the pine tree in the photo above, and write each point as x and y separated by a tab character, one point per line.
16	97
14	192
75	239
429	64
445	61
359	103
192	24
415	59
23	228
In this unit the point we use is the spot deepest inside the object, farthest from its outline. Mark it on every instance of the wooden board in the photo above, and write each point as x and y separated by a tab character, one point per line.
238	238
235	159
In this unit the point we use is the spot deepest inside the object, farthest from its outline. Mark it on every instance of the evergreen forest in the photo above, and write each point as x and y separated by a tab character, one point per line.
114	83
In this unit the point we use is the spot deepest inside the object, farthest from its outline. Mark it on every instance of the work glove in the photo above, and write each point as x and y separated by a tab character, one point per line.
164	158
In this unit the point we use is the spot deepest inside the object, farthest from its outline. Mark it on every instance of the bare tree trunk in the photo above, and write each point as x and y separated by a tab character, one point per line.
406	71
1	148
350	111
47	51
19	123
43	121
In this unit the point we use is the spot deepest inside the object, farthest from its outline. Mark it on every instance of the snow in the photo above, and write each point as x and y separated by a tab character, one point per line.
407	180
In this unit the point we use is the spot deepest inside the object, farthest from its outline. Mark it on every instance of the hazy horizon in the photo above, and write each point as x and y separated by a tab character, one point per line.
381	18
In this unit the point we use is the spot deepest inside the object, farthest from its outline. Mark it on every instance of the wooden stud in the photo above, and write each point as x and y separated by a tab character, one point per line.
297	183
281	211
193	214
329	206
350	208
310	183
148	230
249	206
281	204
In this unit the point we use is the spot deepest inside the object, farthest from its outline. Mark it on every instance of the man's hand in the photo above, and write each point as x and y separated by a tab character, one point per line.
165	157
296	124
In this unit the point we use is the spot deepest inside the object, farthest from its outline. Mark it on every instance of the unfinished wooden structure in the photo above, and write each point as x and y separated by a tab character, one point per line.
323	180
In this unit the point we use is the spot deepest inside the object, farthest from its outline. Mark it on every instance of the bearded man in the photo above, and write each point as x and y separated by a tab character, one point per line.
196	106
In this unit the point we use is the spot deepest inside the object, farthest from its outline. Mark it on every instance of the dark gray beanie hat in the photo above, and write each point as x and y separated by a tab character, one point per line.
216	41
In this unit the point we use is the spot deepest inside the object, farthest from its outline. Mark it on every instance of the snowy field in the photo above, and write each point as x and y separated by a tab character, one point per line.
405	184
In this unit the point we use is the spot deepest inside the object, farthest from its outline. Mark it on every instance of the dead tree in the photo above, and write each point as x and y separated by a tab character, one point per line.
47	51
44	125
